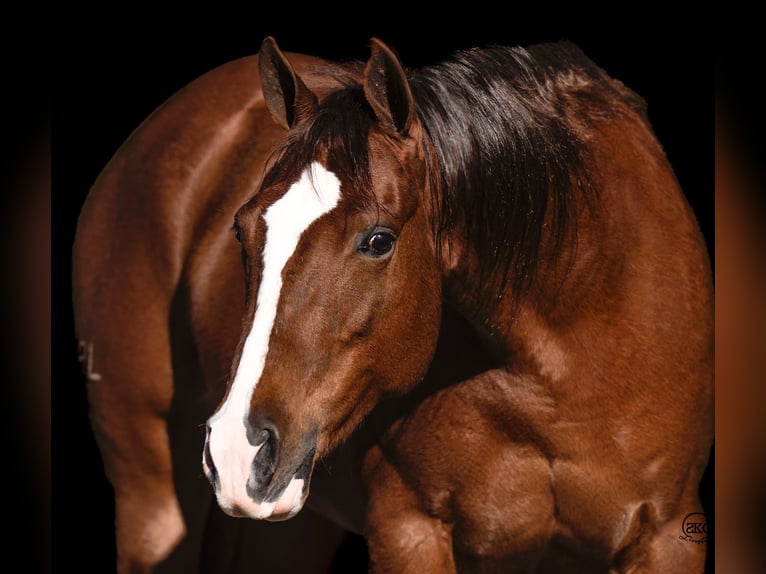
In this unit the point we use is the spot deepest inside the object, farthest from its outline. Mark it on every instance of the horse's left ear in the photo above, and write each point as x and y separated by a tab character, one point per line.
287	97
388	90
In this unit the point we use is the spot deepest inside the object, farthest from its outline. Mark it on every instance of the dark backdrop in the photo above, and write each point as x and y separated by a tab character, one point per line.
114	70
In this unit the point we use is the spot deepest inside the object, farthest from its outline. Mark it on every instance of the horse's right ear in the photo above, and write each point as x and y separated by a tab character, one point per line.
287	97
387	89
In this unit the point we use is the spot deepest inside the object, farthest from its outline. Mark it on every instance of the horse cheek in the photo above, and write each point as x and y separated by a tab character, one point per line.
417	329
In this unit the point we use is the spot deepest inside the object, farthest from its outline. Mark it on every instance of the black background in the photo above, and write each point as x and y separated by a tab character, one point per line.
116	69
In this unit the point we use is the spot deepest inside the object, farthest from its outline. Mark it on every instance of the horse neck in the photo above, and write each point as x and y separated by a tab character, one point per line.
635	240
567	287
501	320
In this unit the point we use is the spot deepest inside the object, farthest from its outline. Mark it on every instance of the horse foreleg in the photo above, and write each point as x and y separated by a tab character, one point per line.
401	536
674	552
138	419
676	546
137	461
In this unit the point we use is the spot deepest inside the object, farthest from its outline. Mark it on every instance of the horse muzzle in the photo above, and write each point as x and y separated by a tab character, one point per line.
264	477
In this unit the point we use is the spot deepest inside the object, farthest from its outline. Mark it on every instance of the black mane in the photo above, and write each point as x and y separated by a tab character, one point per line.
509	164
507	155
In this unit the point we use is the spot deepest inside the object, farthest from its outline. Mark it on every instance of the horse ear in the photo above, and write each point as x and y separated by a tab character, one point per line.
387	89
287	97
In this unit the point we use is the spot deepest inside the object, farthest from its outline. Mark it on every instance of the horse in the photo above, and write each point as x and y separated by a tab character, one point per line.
466	306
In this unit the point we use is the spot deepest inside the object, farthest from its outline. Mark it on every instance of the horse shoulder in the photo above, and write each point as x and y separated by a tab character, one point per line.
460	476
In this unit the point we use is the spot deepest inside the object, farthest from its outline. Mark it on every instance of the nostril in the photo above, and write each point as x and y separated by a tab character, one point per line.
212	473
259	427
265	462
257	439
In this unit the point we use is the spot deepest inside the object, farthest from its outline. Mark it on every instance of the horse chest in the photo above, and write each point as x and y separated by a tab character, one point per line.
462	470
497	493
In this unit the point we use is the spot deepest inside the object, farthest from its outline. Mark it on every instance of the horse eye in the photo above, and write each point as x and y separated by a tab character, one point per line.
237	233
378	244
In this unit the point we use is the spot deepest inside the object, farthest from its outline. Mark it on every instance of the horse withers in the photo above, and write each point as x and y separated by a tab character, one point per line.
522	190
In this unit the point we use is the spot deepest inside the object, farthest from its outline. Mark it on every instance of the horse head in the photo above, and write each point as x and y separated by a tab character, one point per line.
343	283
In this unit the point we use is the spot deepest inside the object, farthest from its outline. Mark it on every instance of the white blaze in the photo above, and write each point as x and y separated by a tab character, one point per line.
316	193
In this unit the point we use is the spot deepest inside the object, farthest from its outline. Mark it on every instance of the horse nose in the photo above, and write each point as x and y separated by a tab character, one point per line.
264	464
241	462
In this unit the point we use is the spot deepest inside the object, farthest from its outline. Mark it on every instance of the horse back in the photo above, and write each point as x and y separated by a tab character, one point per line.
155	230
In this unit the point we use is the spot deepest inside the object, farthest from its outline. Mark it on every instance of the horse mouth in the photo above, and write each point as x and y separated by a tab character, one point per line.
289	497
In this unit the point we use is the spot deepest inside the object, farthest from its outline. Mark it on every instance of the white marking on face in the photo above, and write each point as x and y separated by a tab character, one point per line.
315	194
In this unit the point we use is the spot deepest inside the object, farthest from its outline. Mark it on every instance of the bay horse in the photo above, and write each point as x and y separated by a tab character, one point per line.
470	308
